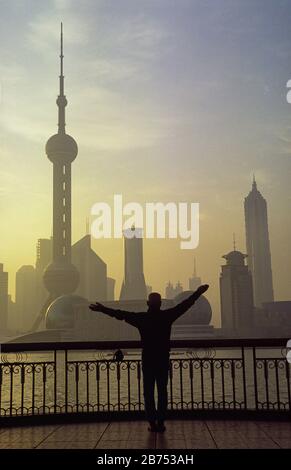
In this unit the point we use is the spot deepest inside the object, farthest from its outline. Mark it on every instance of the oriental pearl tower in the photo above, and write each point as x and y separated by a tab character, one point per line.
61	276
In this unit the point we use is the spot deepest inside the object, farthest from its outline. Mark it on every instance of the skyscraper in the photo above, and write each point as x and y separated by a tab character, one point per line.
178	288
25	297
110	288
3	298
92	269
61	276
43	253
169	291
236	293
194	281
172	291
133	286
258	246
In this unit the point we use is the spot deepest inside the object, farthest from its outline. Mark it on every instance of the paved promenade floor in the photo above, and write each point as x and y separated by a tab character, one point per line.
198	434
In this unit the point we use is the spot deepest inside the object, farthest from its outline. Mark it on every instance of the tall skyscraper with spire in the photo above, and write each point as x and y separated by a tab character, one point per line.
61	276
3	299
133	286
258	246
236	293
194	281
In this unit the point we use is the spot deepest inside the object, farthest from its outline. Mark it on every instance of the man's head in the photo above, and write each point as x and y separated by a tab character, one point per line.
154	300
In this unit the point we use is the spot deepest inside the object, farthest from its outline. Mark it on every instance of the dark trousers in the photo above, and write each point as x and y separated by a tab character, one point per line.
155	372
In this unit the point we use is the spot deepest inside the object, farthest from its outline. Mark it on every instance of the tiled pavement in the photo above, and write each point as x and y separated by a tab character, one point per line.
134	435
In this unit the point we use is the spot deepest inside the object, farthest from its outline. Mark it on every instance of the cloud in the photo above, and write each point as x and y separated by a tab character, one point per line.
44	32
62	4
107	120
12	73
107	70
142	38
102	114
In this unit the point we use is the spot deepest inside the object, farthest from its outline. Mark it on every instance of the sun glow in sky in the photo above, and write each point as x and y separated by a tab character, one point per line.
168	101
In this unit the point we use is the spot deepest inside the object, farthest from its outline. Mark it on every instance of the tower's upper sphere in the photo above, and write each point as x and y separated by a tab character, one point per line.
61	278
199	314
62	311
61	148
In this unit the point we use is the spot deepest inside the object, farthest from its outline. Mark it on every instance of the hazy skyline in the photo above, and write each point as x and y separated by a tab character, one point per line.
168	101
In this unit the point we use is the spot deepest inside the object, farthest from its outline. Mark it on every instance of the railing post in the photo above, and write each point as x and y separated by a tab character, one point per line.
212	382
128	386
87	386
66	380
244	376
22	387
55	381
11	367
171	383
255	377
287	369
266	375
98	384
138	384
77	384
108	384
202	382
277	383
222	383
181	383
1	375
118	384
191	382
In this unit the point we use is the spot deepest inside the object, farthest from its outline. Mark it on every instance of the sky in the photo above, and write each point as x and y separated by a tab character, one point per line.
179	101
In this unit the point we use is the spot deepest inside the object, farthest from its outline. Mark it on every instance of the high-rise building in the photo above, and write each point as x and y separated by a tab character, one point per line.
133	286
13	323
149	289
44	251
92	270
170	291
3	299
194	281
110	289
258	246
236	293
61	276
178	288
25	297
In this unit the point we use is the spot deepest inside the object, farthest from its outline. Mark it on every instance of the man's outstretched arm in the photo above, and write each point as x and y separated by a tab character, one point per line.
130	317
183	306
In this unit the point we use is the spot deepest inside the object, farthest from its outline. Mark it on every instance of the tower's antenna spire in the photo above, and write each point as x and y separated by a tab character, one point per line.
234	242
194	272
62	52
254	181
61	101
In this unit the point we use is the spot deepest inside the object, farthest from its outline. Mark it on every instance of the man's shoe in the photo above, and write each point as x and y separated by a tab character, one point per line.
152	427
161	427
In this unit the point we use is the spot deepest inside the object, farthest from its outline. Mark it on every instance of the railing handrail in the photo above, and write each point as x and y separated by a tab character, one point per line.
14	347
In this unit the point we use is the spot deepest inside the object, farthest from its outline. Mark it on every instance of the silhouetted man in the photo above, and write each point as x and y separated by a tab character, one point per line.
155	330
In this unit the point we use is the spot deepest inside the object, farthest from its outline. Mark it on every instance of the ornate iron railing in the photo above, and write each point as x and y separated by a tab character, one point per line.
216	374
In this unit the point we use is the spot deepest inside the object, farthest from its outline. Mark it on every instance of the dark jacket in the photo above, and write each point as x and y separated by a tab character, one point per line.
154	325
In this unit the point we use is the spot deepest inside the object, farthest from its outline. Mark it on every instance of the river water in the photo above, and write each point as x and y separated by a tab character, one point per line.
200	379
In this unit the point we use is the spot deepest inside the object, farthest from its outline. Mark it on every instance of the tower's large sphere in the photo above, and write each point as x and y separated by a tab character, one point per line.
61	278
199	314
61	148
61	312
